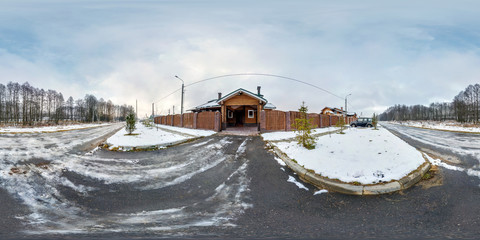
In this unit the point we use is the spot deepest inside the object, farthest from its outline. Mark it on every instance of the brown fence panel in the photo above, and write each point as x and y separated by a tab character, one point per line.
206	120
325	120
176	120
188	120
315	119
169	120
163	120
334	120
275	120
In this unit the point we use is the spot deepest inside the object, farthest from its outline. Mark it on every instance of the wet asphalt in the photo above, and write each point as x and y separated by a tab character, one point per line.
275	208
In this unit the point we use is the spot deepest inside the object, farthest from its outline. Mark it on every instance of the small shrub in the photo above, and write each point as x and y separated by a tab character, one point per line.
303	128
427	176
341	124
131	121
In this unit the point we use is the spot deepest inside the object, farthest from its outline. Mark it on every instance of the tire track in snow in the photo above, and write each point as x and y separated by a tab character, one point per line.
53	211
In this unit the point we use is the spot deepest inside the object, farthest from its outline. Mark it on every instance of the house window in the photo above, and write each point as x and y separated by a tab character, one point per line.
230	114
250	114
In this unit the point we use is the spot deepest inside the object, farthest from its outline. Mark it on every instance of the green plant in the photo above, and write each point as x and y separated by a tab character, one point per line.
427	176
303	129
131	121
148	122
375	121
341	124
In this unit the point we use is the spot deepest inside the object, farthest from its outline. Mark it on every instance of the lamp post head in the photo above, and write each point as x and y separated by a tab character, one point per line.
179	78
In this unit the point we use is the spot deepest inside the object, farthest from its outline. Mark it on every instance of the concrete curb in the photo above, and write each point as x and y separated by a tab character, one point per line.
352	189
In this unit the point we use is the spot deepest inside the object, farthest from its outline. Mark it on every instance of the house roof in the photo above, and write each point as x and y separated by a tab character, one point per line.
215	103
241	90
269	106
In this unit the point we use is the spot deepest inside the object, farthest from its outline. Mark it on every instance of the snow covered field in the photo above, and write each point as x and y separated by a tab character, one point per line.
278	136
48	129
447	125
361	155
158	136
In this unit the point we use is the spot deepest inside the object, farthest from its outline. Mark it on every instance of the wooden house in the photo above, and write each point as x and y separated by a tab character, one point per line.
239	108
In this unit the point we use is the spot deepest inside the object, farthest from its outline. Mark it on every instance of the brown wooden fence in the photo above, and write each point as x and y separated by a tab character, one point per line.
269	120
275	120
285	121
203	120
188	120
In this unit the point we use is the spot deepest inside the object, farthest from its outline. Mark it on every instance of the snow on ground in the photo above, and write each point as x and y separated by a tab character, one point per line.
158	136
48	129
277	136
361	155
188	131
445	125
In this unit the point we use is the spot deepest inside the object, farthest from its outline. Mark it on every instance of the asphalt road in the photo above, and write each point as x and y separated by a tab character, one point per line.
218	187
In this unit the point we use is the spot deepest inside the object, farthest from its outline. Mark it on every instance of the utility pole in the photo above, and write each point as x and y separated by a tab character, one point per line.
183	93
346	104
153	109
173	110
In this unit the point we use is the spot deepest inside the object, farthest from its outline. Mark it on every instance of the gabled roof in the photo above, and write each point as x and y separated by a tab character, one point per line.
241	90
215	103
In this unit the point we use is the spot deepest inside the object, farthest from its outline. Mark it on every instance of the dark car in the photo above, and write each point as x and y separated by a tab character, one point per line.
362	122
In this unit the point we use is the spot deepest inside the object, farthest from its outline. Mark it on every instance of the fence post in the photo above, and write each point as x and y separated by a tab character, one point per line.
181	120
218	122
320	125
263	121
195	115
288	124
330	120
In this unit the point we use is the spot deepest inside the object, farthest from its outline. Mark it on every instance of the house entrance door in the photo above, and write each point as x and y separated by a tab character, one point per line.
239	117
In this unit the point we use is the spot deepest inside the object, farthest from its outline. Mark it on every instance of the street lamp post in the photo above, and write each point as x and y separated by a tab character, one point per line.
346	104
183	92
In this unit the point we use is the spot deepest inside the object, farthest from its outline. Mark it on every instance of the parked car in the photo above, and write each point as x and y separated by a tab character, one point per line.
362	122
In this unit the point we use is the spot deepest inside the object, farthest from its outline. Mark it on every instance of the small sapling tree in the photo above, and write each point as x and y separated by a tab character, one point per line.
130	127
341	124
303	129
375	121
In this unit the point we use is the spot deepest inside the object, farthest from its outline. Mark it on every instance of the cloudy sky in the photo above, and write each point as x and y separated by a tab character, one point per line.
382	52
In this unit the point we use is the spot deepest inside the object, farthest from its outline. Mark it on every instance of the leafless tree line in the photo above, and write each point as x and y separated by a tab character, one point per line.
464	108
27	105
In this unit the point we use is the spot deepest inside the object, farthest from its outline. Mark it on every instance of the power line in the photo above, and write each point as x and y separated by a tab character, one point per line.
254	74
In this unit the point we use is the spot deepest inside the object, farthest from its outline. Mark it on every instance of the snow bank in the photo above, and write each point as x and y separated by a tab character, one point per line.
153	136
49	128
446	125
277	136
366	156
192	132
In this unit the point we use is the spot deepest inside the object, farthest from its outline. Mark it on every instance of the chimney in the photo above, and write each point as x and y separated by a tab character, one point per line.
219	95
258	90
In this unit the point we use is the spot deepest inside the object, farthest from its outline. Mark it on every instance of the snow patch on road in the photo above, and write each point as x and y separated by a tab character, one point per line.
320	191
294	181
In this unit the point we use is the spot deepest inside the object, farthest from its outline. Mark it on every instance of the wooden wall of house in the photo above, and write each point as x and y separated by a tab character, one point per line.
241	100
250	120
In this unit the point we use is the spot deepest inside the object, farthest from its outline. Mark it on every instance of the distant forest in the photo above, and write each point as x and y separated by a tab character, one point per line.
463	108
27	105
